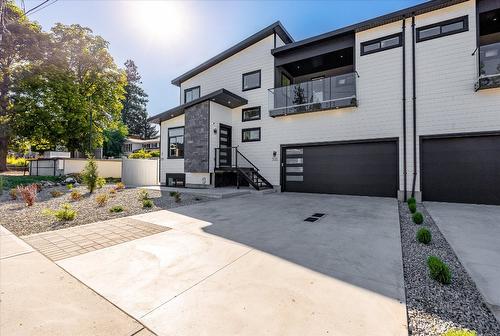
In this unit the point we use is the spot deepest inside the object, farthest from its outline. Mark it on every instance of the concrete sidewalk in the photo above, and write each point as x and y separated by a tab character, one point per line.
37	297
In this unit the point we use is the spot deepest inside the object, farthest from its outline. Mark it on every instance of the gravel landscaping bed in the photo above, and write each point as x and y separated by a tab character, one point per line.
23	220
434	308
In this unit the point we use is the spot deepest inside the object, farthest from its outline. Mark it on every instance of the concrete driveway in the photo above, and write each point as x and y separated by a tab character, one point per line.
473	231
251	265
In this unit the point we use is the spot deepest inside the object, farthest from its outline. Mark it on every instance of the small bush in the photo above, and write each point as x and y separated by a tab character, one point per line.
143	195
116	208
140	154
418	218
28	193
69	186
13	194
412	207
56	193
90	174
460	332
177	197
119	186
1	185
173	193
102	199
75	195
438	270
155	154
424	236
411	200
100	182
65	213
147	203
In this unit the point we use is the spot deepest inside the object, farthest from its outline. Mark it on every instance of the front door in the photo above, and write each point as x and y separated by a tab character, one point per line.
224	145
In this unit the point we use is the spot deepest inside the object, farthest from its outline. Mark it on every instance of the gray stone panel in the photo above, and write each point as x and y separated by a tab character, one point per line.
196	138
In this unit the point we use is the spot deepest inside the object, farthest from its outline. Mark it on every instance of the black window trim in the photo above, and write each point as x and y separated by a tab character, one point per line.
464	19
168	143
251	73
176	177
191	89
251	129
380	39
251	108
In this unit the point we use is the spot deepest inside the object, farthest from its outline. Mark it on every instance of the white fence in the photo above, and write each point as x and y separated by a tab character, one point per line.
140	172
62	166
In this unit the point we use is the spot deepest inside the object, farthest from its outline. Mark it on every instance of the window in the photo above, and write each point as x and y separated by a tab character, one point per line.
250	134
127	147
444	28
176	180
249	114
251	80
191	94
285	80
380	44
176	143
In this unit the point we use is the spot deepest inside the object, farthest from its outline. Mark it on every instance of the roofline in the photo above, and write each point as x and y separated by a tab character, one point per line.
371	23
276	27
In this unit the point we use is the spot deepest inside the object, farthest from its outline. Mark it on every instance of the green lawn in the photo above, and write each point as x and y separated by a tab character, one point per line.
10	182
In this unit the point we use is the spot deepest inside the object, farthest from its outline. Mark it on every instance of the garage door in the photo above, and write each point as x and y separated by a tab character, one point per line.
461	169
359	168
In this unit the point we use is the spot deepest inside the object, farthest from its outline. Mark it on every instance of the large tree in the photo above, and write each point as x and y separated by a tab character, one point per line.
134	113
73	95
22	44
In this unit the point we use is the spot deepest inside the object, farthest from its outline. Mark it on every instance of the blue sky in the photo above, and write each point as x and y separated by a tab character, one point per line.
166	39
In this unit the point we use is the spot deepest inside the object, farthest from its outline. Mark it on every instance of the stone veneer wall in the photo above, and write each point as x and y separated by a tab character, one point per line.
196	135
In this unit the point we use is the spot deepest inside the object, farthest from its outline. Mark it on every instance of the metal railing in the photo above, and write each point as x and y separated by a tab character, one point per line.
325	93
488	58
231	157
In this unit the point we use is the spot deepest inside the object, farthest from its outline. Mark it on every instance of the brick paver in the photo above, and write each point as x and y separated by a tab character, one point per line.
65	243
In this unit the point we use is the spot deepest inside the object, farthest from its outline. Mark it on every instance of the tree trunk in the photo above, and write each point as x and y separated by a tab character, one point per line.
4	124
3	153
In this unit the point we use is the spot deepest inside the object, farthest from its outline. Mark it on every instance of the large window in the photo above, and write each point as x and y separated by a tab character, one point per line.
250	134
249	114
380	44
444	28
176	143
191	94
251	80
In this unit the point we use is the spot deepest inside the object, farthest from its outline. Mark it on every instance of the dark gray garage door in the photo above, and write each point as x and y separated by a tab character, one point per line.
360	168
461	169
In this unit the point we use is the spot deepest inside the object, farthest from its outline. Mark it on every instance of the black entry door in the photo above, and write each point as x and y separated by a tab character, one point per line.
225	145
357	168
463	169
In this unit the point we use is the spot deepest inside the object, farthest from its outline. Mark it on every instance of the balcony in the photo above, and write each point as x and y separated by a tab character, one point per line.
489	67
315	95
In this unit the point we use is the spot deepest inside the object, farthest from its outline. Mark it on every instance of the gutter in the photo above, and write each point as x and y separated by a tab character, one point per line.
404	109
414	106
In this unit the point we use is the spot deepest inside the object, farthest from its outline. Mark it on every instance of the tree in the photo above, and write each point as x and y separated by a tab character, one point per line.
90	174
134	113
73	95
113	141
21	44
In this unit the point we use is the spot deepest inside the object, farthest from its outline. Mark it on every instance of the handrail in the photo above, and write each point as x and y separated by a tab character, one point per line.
238	152
234	160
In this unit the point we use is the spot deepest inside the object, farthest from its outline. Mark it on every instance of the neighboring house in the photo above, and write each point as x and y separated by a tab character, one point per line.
133	144
406	102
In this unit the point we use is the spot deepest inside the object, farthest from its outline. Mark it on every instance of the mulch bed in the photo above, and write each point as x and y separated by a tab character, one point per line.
23	220
434	308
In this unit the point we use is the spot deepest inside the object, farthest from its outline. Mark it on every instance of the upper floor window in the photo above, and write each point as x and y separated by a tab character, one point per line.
176	142
444	28
191	94
250	134
251	80
380	44
249	114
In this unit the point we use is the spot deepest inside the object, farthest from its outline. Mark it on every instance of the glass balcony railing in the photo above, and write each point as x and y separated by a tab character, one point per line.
321	94
489	66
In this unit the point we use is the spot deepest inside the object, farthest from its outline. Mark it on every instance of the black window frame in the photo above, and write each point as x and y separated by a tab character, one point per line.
464	19
191	89
176	177
251	129
379	41
251	108
247	74
168	142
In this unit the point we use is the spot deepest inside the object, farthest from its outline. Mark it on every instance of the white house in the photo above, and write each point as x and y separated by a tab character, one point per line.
403	104
133	144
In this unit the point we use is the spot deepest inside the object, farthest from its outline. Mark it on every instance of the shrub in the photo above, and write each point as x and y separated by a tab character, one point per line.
101	199
69	186
177	197
438	270
56	193
75	195
112	191
13	194
90	174
147	203
412	207
119	186
1	185
418	218
143	195
424	236
173	193
155	154
65	213
101	182
140	154
28	193
18	162
411	200
116	208
460	332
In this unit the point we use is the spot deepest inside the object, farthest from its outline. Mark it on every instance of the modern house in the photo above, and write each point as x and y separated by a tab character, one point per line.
406	103
133	144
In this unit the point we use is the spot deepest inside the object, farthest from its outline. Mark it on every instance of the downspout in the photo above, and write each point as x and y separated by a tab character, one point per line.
404	109
414	106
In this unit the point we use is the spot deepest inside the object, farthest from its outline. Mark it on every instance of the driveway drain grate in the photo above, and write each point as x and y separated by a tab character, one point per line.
318	214
311	219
